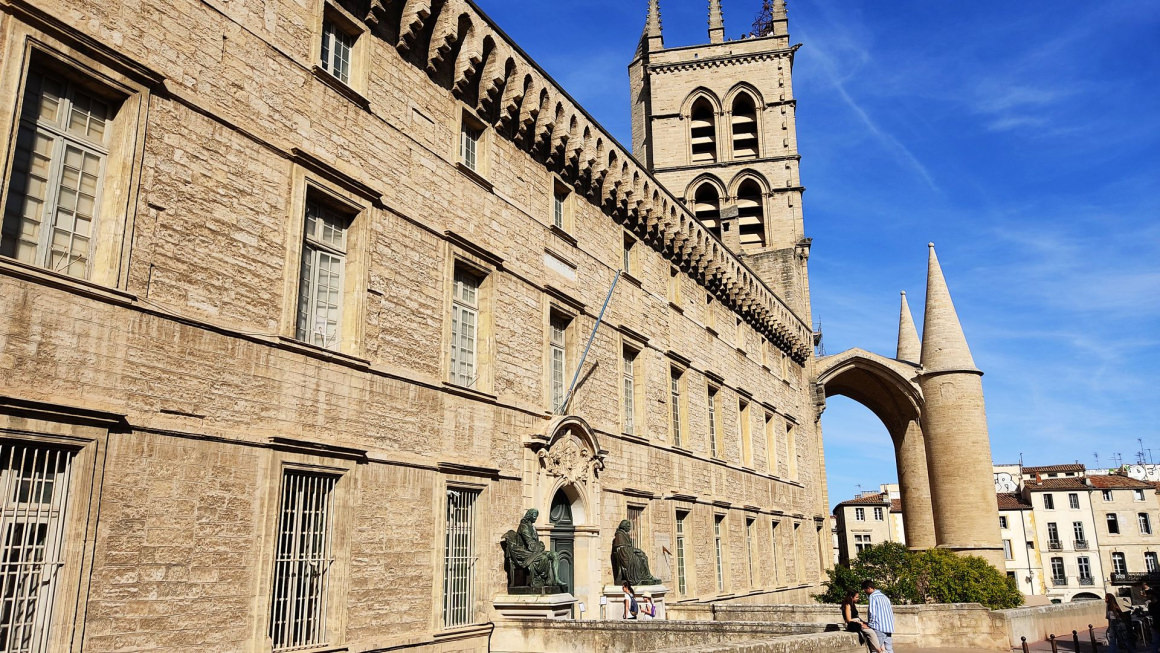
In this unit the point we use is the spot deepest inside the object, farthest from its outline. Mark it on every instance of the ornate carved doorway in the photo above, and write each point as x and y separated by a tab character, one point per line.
564	539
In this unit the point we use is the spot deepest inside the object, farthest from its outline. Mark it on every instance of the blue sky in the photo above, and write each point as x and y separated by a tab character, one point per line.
1021	137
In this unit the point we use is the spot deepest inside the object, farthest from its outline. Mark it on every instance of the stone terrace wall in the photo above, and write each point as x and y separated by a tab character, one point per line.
958	625
614	636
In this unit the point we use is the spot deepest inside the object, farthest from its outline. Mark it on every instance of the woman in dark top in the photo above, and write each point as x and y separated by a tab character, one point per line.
855	624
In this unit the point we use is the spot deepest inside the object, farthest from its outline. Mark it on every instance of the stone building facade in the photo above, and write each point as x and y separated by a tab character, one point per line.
292	295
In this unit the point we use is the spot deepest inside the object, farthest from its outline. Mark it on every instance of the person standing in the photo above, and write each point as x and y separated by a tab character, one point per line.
1119	634
881	613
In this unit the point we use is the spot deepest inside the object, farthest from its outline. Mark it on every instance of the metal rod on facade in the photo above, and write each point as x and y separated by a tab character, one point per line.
595	327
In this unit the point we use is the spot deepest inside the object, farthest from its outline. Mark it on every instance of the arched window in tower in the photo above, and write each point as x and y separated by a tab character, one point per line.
744	122
751	214
707	207
703	131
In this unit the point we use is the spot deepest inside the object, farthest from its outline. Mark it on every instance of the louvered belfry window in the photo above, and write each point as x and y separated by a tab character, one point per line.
302	561
35	482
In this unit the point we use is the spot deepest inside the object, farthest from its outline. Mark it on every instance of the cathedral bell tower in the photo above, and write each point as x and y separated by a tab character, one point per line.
715	124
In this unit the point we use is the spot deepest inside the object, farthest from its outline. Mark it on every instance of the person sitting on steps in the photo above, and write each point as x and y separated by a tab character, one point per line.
856	624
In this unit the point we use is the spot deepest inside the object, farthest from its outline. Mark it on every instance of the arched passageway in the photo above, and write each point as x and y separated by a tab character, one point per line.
889	390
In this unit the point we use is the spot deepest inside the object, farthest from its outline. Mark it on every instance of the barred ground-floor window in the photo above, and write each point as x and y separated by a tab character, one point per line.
35	482
460	558
303	560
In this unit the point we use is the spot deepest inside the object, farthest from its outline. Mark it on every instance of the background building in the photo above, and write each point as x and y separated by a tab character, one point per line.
1068	533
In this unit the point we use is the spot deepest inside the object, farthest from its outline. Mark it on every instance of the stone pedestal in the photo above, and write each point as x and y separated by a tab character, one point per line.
614	595
521	607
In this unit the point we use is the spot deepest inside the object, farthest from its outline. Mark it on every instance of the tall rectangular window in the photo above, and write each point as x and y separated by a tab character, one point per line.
714	449
773	561
302	561
1085	568
717	519
1002	521
1145	523
1150	564
859	514
1007	550
636	518
1113	524
1053	536
675	406
749	549
674	286
1058	575
1119	563
559	206
1107	495
1138	495
321	277
628	362
879	514
682	585
798	563
57	176
459	560
627	255
744	428
1078	531
791	450
770	444
35	483
464	328
470	136
558	360
1048	502
337	46
1073	500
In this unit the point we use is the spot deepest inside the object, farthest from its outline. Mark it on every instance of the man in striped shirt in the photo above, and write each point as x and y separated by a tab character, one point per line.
881	616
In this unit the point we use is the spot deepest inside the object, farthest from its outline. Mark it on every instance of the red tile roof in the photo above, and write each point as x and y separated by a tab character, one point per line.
1009	501
1049	484
896	505
1117	482
871	500
1053	469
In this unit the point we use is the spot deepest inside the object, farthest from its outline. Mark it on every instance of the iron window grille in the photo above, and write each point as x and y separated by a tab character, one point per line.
681	582
35	481
717	544
303	560
460	559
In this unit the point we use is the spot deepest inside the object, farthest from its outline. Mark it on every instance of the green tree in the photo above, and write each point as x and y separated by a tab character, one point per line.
934	576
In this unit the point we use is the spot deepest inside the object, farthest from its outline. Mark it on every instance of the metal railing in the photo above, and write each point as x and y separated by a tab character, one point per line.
1081	545
1054	546
1087	581
1059	582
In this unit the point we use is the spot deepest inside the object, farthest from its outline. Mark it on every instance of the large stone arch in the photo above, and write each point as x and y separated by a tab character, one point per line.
889	389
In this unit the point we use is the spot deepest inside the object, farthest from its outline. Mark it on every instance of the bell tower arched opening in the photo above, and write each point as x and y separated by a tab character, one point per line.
703	131
744	124
751	214
707	206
